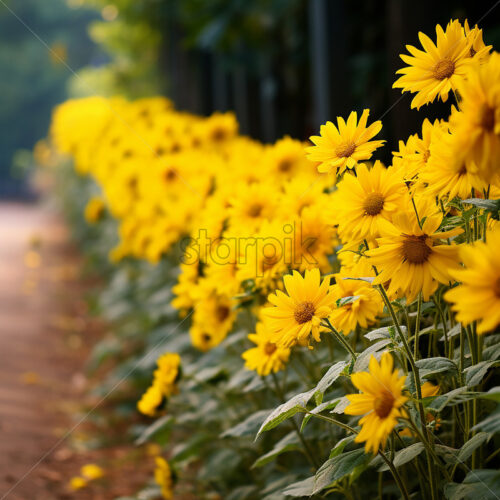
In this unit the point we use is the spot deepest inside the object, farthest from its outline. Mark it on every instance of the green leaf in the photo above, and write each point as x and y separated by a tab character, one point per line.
380	333
327	405
341	405
431	366
289	443
295	405
453	397
490	424
343	301
490	205
338	467
339	447
157	430
302	488
405	455
363	358
474	374
249	426
477	485
328	379
472	444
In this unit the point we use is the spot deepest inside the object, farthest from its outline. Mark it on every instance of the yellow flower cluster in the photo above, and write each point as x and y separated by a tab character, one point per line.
164	384
261	221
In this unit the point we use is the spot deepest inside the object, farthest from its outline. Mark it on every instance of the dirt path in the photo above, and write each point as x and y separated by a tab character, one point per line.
45	336
39	371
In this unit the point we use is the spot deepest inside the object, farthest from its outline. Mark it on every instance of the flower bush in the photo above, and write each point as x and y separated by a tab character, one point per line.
301	320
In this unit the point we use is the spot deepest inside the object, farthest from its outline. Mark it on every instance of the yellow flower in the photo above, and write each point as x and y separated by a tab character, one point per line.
213	317
251	205
164	384
167	373
297	316
438	68
477	298
427	389
77	483
341	147
267	357
411	258
381	401
413	157
150	400
163	476
363	200
286	158
476	127
314	239
94	210
447	174
91	471
361	311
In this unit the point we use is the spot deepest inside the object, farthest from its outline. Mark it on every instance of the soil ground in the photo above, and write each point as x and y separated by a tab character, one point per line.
45	337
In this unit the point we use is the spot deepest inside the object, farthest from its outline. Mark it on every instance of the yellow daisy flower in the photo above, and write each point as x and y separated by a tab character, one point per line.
438	68
267	356
298	315
163	477
366	198
476	127
341	147
411	258
164	383
94	210
477	298
447	174
361	311
381	402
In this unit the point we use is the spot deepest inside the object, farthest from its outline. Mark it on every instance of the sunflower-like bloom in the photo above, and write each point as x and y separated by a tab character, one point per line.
363	200
266	357
411	258
447	174
164	384
381	401
477	298
163	477
476	127
341	147
363	309
414	156
440	67
298	315
94	210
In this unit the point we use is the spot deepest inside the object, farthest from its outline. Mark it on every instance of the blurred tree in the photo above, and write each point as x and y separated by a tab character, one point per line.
35	71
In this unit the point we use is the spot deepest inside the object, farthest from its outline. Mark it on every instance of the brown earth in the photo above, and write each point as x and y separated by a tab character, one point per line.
45	337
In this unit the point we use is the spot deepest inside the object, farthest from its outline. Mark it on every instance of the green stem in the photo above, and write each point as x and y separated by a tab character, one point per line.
307	450
340	338
417	327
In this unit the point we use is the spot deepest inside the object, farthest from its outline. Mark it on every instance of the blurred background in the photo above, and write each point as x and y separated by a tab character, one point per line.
284	66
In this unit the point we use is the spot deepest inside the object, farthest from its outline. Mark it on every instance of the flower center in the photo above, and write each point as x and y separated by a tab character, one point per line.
373	204
269	348
487	118
285	165
222	313
415	249
170	174
255	210
304	312
218	134
383	404
444	69
345	149
496	288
